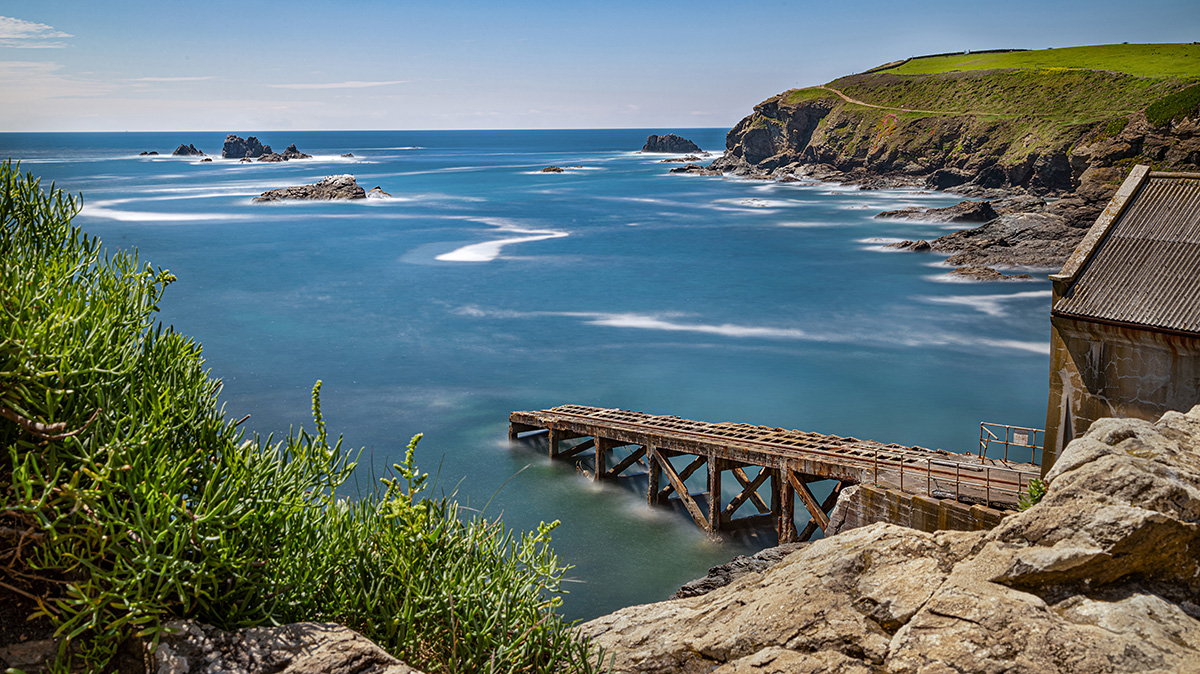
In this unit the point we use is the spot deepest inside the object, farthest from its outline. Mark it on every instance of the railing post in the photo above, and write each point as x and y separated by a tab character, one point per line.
957	494
902	473
876	465
987	481
929	477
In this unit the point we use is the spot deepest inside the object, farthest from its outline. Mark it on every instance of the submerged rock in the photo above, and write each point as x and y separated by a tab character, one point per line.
186	151
669	143
143	153
333	187
1101	576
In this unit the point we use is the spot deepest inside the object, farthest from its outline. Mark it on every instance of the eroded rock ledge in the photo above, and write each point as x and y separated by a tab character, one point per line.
333	187
1102	576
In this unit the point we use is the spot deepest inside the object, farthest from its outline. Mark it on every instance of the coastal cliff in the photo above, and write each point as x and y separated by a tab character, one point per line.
1101	576
1061	138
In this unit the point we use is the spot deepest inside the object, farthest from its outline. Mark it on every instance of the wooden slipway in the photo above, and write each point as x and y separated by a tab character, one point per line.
616	441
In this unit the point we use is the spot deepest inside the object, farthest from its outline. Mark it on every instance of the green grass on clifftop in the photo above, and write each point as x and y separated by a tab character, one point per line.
1139	60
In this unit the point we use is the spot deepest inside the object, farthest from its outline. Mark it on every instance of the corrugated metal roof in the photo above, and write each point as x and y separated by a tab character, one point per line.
1146	271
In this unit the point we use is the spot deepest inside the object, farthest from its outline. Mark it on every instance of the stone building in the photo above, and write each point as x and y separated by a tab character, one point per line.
1125	314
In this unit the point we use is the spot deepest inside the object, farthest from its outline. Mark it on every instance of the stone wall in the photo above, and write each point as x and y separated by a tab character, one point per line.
864	504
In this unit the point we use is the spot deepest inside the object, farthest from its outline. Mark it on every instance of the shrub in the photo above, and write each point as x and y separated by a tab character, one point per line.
127	498
1036	490
1179	105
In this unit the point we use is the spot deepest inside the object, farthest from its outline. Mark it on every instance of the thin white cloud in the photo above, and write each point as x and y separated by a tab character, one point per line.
23	34
10	27
173	79
353	84
27	44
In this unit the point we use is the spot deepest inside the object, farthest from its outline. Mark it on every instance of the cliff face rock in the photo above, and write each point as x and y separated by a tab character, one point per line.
1102	576
669	143
237	147
333	187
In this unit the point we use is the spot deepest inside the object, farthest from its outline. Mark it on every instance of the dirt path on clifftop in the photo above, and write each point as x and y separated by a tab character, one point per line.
855	101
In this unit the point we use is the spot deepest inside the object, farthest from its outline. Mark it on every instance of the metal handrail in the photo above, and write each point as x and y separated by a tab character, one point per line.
1014	436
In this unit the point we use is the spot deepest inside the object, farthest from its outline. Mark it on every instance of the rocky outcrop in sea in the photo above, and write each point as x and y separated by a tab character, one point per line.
669	143
1101	576
187	151
330	188
237	147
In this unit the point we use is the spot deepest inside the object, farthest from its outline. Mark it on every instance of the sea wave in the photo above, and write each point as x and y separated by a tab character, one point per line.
992	305
103	209
487	251
676	322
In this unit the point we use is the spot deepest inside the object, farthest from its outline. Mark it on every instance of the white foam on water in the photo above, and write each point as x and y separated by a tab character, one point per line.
103	209
673	322
992	305
488	251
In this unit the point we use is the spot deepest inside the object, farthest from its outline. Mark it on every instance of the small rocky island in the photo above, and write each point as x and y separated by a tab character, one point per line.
327	189
669	143
237	147
186	151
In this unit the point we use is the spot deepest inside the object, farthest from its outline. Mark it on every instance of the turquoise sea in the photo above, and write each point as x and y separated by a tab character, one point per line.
486	286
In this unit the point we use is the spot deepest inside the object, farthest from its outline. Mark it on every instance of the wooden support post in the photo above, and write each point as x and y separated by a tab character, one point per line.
627	462
826	506
684	475
810	501
681	489
512	432
786	523
745	481
714	493
749	492
603	446
581	447
653	459
555	436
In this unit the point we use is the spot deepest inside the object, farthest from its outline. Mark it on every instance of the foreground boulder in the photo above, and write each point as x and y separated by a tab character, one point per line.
669	143
1102	576
237	147
300	648
333	187
187	151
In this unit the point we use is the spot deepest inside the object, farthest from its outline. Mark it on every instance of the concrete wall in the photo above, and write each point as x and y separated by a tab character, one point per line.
1099	370
864	504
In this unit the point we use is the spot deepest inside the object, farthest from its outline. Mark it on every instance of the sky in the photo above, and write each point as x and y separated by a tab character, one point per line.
213	65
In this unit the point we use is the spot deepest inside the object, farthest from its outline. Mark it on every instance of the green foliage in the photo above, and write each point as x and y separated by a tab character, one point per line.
1141	60
1179	105
1115	127
1036	490
140	502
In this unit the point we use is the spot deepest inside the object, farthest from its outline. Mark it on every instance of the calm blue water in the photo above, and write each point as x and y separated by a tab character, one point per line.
486	286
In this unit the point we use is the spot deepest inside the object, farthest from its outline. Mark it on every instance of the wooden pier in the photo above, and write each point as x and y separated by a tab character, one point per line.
616	442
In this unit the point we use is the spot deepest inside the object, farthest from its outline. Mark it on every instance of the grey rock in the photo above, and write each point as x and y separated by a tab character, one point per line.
377	193
669	143
332	187
292	153
272	157
299	648
921	246
237	147
1041	240
186	151
143	153
964	211
552	169
724	574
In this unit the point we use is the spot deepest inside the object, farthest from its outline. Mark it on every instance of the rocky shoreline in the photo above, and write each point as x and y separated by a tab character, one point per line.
1043	204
